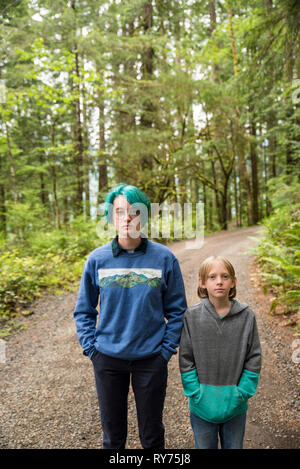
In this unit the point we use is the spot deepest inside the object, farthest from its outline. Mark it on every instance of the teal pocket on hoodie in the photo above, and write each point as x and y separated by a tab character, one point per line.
217	404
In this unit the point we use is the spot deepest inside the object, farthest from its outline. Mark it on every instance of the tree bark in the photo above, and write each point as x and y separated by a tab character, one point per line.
212	27
78	126
233	46
102	162
248	187
11	164
236	200
216	201
254	173
86	157
147	67
43	192
2	204
54	182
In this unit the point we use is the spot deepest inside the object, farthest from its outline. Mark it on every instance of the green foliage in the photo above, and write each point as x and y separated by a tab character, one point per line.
278	252
173	97
46	260
23	218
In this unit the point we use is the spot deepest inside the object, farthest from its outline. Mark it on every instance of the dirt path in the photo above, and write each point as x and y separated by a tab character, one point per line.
48	397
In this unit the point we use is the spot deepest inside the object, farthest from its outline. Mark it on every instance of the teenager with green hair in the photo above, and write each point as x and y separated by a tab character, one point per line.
142	302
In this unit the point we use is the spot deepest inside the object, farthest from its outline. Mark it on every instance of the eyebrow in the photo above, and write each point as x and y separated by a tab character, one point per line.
222	273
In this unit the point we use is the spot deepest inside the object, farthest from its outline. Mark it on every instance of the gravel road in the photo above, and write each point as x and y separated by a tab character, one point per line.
48	396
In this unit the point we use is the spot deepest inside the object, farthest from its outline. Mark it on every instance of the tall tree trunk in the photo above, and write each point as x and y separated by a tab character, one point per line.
242	164
147	68
205	207
66	210
233	46
297	111
102	161
43	192
224	200
271	116
54	179
212	27
224	223
272	143
236	200
11	164
288	76
267	201
246	181
254	173
219	208
78	125
229	205
125	122
216	200
2	203
268	5
86	157
212	16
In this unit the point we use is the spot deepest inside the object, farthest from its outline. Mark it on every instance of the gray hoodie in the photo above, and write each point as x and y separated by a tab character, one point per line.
219	359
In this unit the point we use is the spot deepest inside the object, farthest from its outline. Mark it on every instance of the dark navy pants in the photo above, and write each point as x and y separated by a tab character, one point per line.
149	382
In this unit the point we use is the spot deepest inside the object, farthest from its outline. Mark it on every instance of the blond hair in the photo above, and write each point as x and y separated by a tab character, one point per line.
204	271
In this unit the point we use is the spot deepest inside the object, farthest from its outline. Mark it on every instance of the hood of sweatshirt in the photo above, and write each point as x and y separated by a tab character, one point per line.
236	308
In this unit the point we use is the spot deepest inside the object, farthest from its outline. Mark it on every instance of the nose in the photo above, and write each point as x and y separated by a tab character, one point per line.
219	280
127	216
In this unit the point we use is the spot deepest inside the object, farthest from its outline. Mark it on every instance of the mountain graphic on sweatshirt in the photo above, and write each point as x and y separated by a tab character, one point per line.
128	278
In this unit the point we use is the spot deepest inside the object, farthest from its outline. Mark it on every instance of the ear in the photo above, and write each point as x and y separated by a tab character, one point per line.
234	281
201	285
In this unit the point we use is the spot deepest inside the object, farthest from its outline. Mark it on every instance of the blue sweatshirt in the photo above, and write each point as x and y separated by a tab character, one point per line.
142	302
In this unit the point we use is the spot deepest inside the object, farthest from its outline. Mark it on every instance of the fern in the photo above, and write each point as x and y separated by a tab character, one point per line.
278	252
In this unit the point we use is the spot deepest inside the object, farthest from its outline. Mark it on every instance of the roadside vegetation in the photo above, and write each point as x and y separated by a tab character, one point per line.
33	262
278	252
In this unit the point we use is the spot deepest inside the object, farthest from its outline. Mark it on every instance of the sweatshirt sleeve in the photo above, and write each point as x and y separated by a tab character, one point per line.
189	376
250	376
174	305
253	356
85	313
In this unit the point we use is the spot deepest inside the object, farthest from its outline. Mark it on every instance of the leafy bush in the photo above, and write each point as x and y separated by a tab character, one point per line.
278	252
44	260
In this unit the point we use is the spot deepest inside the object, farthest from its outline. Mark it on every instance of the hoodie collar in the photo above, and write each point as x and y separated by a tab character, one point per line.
236	307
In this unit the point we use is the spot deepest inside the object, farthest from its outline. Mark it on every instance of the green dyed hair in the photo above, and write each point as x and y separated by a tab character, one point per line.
133	195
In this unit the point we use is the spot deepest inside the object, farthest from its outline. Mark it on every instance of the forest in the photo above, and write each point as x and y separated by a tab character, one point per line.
190	100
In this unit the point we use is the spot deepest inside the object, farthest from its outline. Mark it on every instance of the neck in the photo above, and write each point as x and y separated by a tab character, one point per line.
129	243
222	305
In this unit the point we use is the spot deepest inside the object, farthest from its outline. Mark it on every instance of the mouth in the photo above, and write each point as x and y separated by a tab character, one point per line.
129	228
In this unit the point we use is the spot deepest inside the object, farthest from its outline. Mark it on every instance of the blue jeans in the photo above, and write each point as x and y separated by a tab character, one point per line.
231	433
